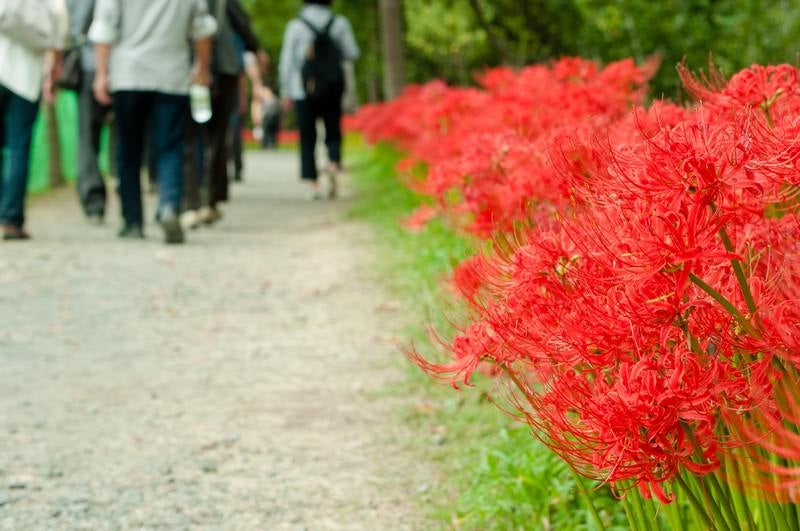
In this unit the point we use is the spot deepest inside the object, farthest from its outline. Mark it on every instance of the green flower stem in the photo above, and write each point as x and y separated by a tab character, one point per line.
744	515
723	495
587	500
632	521
672	512
725	303
738	270
638	508
695	503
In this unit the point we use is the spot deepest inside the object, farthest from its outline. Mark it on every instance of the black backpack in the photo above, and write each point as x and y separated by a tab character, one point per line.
322	69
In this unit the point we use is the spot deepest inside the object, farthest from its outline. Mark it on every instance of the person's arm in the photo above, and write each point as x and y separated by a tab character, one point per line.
253	70
240	22
285	65
350	49
100	85
104	32
53	61
53	58
201	72
201	34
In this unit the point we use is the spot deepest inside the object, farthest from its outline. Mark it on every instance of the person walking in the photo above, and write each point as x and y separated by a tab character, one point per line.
91	116
233	22
143	70
312	79
31	37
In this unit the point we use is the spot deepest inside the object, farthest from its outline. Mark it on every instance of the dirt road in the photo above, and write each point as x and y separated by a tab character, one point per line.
230	383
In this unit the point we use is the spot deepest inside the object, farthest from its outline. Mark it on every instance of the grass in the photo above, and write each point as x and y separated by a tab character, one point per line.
496	476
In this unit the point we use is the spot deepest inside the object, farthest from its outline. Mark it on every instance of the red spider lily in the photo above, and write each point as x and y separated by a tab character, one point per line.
647	308
419	218
486	150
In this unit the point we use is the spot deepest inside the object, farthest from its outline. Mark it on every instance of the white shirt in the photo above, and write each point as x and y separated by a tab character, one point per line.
151	41
21	69
298	38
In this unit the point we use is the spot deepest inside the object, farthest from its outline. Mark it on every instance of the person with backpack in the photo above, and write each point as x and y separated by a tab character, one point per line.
32	35
312	79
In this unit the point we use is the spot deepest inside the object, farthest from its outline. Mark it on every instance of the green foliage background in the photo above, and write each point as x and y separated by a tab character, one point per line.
448	38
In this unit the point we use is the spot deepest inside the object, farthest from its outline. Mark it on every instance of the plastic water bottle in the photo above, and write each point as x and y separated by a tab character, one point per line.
200	98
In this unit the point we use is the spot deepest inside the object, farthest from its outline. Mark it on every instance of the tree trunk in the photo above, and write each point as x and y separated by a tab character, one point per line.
393	49
54	147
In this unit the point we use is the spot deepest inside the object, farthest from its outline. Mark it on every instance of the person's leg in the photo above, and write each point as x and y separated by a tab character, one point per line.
222	107
150	160
331	111
237	147
274	129
5	96
91	115
307	124
191	168
168	131
131	110
20	115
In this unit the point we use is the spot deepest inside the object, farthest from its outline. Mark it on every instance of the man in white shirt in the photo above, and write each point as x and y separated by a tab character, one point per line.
143	67
25	73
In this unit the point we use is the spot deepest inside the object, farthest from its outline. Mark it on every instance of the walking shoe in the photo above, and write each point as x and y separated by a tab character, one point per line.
331	175
95	219
209	215
190	220
12	232
314	190
131	231
168	218
333	185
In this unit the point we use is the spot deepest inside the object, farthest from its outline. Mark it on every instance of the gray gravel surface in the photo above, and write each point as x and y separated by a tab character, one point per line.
231	383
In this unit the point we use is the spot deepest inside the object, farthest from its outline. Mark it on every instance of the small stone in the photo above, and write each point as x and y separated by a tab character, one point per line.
5	499
209	466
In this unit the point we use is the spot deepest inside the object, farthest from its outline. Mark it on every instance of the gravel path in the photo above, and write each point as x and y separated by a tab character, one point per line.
231	383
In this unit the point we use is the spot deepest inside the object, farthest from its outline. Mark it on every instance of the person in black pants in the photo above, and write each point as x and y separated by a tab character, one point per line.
316	23
233	21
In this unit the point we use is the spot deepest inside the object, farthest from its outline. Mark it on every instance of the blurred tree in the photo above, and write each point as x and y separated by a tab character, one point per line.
452	39
393	47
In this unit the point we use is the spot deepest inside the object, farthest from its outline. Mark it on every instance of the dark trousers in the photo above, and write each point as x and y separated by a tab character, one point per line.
222	102
237	146
166	115
91	117
194	153
270	126
329	109
17	116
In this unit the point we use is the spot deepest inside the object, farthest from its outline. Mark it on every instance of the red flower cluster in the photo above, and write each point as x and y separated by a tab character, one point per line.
483	152
649	316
